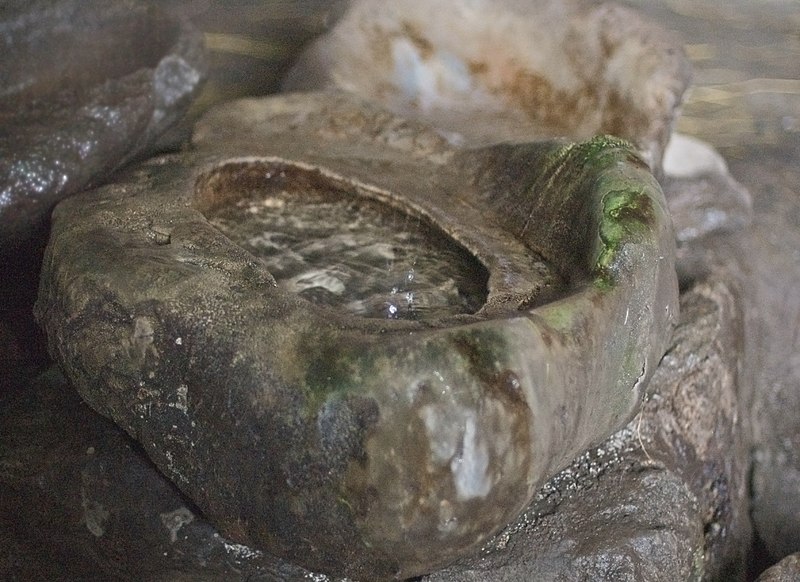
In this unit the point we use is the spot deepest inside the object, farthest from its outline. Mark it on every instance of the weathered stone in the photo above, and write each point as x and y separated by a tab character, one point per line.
769	253
499	70
787	570
318	434
80	501
86	86
702	196
642	506
666	498
763	258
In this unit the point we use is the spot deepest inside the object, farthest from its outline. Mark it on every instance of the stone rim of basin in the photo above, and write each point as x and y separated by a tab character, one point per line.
491	71
367	448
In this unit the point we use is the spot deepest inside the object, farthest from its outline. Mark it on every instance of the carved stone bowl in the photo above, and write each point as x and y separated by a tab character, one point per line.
364	446
485	71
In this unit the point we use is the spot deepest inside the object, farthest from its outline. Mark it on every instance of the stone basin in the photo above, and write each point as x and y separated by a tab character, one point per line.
488	71
362	444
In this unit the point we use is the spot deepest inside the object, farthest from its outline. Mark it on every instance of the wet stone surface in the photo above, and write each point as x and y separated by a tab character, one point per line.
666	498
85	87
745	54
369	447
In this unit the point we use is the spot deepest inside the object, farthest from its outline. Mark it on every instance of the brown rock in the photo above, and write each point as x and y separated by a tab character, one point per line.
487	72
763	258
666	498
365	446
787	570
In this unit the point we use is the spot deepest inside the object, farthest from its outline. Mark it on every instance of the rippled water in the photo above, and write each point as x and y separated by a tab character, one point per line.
354	253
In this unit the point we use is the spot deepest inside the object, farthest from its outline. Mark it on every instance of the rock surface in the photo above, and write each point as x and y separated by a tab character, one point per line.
747	103
317	434
703	198
567	68
763	258
82	502
787	570
663	500
730	41
86	86
772	250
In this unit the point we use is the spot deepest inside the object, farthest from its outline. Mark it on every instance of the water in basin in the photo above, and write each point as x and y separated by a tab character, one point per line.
339	249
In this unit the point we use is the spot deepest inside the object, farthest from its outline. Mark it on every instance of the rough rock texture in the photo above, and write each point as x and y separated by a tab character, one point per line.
764	258
787	570
319	435
80	501
663	500
775	264
772	250
494	70
84	87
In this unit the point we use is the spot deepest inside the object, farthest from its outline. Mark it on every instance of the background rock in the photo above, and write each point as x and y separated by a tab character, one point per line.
81	502
787	570
251	44
86	86
757	243
773	342
488	71
746	103
702	195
